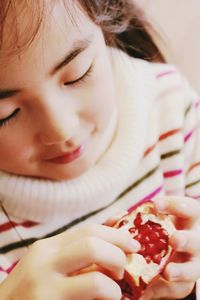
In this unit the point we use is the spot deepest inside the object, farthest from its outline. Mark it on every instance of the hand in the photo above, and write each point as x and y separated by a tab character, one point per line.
181	273
50	270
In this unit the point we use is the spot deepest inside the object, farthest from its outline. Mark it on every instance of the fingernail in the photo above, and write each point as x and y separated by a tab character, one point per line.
180	240
135	246
120	275
161	204
174	273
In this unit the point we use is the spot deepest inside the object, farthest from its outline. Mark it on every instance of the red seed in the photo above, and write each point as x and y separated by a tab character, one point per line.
148	258
151	248
154	236
157	258
122	223
162	244
163	234
138	220
145	239
132	230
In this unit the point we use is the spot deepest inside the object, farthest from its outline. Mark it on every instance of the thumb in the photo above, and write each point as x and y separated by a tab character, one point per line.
157	289
162	289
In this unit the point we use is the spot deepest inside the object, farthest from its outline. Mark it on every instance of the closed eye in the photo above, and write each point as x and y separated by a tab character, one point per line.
82	78
6	120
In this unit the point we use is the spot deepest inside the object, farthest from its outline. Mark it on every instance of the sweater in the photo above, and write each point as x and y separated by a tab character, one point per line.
155	151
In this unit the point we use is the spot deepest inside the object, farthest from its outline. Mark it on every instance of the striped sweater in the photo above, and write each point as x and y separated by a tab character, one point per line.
156	151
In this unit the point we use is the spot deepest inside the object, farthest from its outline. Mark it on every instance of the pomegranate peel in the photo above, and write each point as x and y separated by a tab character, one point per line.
152	230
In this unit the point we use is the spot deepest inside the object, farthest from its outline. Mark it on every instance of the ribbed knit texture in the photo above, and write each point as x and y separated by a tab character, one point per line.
156	151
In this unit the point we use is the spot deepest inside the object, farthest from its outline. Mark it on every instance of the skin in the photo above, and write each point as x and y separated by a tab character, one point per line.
56	117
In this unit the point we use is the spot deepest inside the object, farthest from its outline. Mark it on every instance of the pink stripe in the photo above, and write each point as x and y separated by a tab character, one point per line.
189	135
153	194
172	173
194	197
174	192
11	267
8	270
164	73
197	103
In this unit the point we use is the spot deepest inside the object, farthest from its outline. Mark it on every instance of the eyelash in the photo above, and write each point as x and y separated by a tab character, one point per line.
82	79
4	122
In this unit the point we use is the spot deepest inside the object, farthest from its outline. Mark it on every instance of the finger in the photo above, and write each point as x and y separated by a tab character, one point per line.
121	239
94	285
188	271
186	241
163	289
183	207
88	251
111	221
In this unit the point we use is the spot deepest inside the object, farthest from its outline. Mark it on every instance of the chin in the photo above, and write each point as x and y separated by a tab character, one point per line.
67	173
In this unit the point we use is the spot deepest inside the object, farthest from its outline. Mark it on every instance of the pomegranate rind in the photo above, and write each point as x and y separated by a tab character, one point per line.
138	272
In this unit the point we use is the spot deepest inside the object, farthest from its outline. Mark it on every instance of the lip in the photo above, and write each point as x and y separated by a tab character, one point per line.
68	157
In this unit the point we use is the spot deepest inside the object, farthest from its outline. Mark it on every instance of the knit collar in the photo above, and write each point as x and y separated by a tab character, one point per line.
43	200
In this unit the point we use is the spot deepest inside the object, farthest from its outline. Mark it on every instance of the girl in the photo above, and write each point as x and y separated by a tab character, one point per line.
85	132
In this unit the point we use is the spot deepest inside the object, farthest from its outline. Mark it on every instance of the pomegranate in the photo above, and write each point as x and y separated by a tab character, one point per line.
152	230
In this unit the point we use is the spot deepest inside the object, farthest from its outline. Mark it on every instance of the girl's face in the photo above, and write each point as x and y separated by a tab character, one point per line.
57	99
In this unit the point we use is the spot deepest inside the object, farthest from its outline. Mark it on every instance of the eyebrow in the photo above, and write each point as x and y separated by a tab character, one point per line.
8	93
77	48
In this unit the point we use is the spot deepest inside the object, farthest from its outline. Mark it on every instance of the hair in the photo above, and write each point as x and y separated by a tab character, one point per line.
123	24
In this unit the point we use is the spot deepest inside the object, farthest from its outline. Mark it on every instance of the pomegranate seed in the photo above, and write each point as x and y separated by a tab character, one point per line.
139	237
132	230
138	220
151	248
163	233
122	223
154	236
162	244
148	259
157	258
145	239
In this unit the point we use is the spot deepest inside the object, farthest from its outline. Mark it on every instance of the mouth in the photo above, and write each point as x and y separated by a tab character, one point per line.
68	156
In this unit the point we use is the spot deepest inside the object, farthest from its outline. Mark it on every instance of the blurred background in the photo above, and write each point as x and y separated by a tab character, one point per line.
178	23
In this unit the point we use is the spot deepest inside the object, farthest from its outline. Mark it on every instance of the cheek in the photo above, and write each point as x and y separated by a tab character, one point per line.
14	149
104	106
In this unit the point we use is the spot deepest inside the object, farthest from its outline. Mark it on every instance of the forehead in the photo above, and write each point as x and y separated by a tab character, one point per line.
58	31
26	22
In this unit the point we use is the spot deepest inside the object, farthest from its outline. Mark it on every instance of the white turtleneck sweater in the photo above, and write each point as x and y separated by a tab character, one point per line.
156	151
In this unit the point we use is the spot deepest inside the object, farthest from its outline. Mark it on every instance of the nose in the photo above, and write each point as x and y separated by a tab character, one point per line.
58	123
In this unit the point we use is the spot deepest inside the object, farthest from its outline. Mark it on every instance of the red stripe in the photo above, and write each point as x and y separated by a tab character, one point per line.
172	173
168	133
161	137
150	149
10	225
164	73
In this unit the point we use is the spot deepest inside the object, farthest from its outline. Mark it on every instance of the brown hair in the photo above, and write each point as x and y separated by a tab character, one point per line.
123	24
